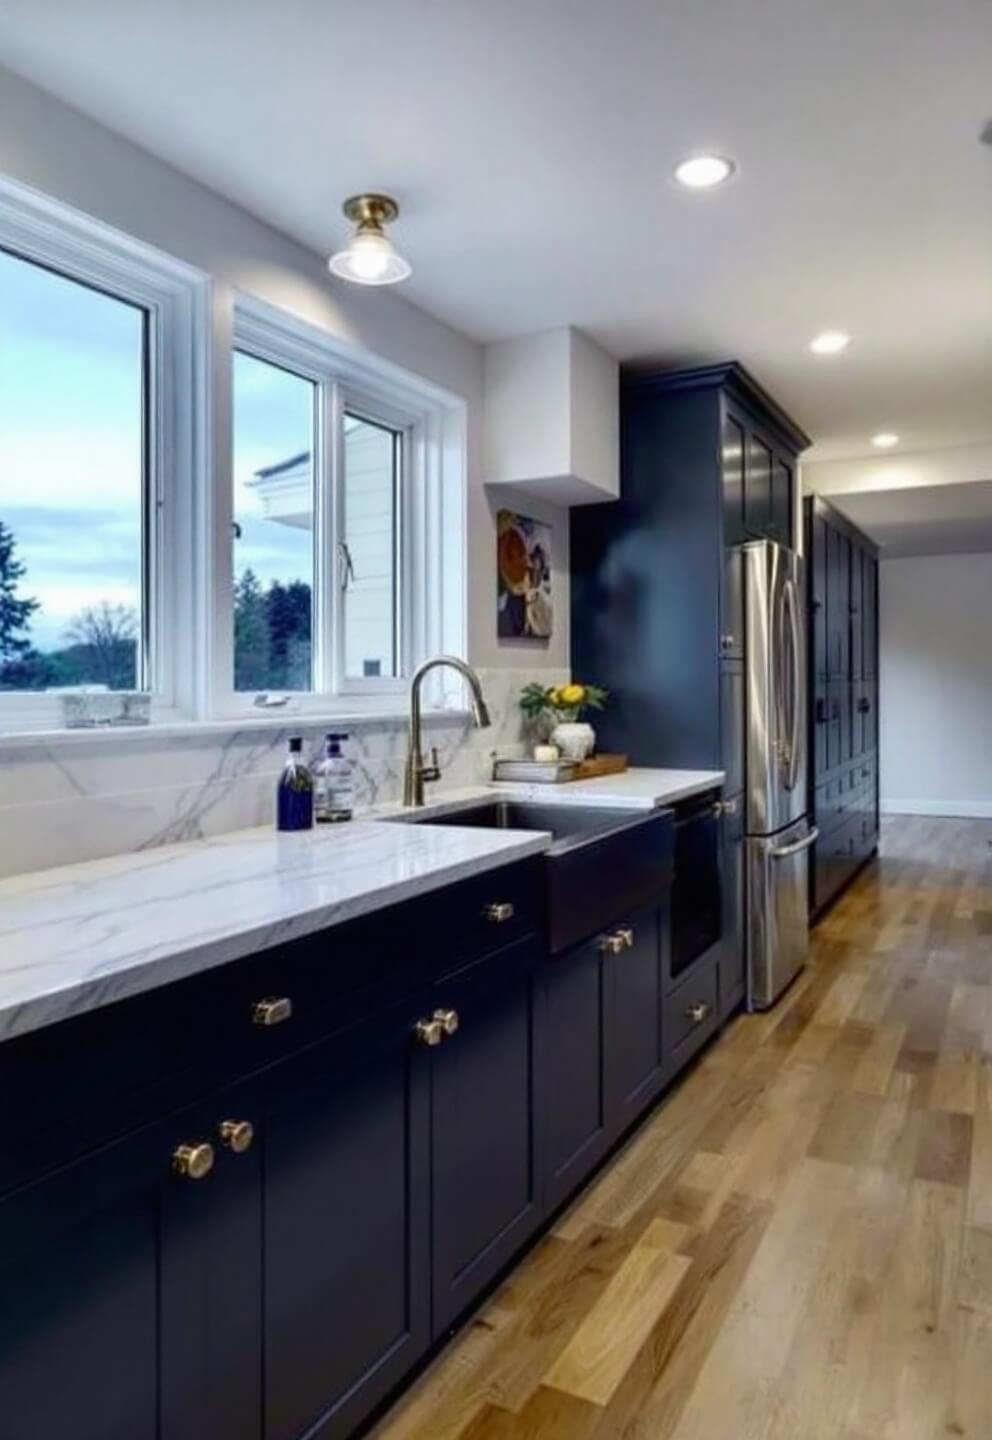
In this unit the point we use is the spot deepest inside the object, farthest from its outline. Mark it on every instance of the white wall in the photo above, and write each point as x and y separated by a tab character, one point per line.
64	154
936	685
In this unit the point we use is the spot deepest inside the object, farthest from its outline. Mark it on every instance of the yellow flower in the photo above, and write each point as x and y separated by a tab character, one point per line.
573	694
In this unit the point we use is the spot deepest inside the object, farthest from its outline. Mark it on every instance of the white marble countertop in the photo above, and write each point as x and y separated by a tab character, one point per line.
636	789
81	936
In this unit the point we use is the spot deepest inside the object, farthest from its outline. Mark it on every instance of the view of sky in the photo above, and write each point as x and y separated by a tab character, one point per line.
71	448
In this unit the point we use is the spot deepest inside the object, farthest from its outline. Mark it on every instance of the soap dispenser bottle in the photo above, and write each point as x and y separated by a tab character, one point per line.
294	793
334	785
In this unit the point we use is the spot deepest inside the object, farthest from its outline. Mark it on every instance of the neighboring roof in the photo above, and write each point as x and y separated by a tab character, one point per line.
283	465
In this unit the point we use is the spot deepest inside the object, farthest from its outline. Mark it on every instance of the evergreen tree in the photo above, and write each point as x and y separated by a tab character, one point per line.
289	622
251	634
15	614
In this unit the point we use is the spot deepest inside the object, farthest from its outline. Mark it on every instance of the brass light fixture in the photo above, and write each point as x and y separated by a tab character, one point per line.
370	258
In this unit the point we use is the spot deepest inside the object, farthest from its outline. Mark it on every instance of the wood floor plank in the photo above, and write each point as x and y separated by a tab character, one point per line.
797	1245
603	1348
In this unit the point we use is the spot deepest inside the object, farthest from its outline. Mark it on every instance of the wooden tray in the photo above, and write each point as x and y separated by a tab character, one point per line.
600	765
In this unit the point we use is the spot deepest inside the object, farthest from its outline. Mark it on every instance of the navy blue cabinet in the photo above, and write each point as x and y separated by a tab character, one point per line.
708	461
129	1304
574	1029
341	1173
270	1261
636	1053
486	1179
842	578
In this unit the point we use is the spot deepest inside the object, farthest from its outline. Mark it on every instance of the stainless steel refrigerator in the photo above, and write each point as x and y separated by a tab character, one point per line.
778	833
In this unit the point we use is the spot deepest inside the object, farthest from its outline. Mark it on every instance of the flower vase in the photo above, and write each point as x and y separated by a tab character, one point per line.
575	739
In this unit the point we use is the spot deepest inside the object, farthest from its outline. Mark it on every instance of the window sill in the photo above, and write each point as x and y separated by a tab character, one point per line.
205	729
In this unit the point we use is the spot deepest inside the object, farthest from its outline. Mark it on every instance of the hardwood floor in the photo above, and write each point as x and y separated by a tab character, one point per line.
798	1243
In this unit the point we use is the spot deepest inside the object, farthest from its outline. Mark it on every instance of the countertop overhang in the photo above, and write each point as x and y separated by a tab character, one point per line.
79	937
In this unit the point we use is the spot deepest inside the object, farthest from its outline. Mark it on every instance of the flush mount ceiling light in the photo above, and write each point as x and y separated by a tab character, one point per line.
884	440
702	172
830	342
369	258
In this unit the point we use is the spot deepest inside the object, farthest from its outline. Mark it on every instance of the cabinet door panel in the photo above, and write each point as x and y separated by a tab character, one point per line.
780	528
732	724
486	1187
342	1164
732	957
732	455
818	596
858	558
821	730
732	605
869	615
636	1049
114	1293
574	1046
758	487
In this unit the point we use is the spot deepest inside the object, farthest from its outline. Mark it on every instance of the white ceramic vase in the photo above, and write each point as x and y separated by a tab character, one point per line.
575	739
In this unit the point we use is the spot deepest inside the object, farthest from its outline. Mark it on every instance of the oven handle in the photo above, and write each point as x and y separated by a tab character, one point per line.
782	852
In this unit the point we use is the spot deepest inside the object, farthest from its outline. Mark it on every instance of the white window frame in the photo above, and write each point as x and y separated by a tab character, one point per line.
431	516
176	298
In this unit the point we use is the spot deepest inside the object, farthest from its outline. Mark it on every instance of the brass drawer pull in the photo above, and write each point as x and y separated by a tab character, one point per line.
273	1010
448	1020
429	1032
193	1162
618	942
499	911
697	1013
237	1135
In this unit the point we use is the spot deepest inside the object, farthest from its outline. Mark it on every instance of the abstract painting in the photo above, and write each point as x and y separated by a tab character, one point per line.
523	565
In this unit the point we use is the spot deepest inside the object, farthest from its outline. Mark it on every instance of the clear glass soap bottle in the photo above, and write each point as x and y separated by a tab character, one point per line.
334	783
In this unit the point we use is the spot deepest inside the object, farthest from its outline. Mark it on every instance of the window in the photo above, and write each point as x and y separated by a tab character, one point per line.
73	484
337	492
371	580
344	498
274	533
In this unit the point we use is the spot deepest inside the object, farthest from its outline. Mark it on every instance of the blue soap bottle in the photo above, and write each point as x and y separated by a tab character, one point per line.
294	793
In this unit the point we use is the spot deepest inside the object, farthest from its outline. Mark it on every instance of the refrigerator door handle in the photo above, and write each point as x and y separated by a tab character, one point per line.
796	738
782	852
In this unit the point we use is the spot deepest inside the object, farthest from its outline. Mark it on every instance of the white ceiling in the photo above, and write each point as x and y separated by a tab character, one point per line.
925	520
530	143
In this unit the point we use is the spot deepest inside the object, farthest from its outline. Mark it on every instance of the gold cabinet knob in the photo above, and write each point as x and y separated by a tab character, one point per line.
619	941
237	1135
697	1013
429	1032
193	1162
273	1010
499	911
448	1020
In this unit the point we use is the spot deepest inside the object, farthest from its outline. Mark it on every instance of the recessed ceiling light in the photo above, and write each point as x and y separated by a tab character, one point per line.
370	258
884	440
830	342
701	172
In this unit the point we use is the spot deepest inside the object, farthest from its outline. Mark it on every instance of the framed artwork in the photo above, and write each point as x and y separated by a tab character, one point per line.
523	567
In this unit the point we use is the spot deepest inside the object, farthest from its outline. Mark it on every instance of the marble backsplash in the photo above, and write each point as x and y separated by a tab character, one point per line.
83	799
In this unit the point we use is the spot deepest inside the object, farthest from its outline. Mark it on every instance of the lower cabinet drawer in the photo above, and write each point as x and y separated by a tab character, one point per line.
691	1010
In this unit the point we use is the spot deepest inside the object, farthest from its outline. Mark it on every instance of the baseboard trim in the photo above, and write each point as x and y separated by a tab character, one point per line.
952	809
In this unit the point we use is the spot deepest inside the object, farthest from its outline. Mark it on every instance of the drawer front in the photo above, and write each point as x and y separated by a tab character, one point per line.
478	917
691	1010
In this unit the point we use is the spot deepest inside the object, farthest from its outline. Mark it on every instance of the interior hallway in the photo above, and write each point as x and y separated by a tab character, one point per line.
799	1243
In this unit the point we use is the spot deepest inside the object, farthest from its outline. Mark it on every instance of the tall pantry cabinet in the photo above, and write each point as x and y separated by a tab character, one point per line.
842	580
708	461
